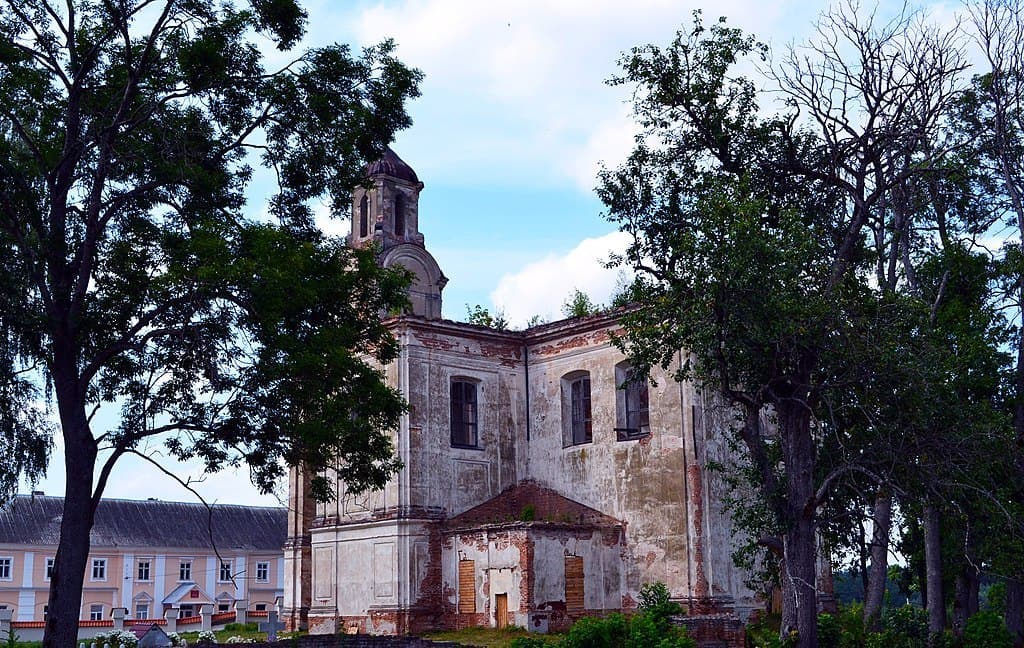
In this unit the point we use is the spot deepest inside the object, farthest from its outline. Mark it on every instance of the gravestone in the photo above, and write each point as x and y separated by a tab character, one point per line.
271	625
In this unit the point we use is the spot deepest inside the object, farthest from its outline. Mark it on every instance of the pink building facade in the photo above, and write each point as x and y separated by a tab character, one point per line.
146	557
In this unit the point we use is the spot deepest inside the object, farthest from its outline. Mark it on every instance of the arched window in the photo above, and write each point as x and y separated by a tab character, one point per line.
576	415
399	215
364	217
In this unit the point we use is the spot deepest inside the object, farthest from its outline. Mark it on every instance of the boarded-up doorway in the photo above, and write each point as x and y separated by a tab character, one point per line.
501	610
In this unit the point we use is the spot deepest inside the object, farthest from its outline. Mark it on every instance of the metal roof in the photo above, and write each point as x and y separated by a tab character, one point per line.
35	520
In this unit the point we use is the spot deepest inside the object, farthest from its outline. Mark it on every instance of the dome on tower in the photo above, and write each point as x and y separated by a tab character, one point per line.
391	165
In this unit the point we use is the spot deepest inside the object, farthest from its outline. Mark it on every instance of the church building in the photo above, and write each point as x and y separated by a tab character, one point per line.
541	483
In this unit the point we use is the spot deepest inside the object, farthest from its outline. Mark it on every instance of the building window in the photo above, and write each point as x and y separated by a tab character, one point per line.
262	572
142	610
143	571
225	571
185	570
5	568
399	215
464	414
49	568
364	217
261	607
96	612
99	569
632	415
46	611
223	607
576	408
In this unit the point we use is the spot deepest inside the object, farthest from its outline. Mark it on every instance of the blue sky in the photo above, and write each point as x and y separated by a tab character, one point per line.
507	137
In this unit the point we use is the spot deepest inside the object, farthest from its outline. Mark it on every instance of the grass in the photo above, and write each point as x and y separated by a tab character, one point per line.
482	637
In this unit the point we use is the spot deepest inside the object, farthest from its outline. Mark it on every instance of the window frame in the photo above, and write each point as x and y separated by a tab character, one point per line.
364	216
633	405
99	566
7	564
144	606
464	434
226	567
263	565
95	611
577	409
144	565
185	570
48	565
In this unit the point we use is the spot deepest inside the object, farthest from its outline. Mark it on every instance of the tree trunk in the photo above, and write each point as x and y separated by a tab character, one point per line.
933	562
70	561
799	541
875	592
965	600
1015	610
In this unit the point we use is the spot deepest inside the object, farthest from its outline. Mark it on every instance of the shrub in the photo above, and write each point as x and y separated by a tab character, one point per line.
830	632
117	639
235	639
987	630
176	639
655	603
207	636
589	632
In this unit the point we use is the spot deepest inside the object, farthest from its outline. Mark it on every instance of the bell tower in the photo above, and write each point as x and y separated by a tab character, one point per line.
385	213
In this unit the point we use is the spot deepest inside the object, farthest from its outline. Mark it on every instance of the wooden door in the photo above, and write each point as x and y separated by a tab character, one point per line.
501	610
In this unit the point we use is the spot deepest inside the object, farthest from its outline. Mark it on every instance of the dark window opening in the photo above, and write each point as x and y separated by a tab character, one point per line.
464	415
580	419
634	417
399	215
364	217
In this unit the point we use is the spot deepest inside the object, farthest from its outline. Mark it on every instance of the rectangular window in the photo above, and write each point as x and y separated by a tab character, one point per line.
463	414
261	607
96	612
6	564
142	610
634	413
579	399
467	587
143	571
225	571
99	569
49	568
574	583
262	572
223	607
185	570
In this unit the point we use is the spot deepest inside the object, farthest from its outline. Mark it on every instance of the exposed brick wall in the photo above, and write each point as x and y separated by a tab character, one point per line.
714	631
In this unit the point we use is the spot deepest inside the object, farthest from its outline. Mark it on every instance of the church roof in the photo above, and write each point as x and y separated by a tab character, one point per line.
391	165
35	520
529	502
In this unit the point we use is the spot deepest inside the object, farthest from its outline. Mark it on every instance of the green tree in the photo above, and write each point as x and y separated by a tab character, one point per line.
481	316
773	248
579	304
131	277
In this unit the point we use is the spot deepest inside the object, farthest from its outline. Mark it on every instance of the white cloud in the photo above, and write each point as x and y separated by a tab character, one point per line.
542	287
514	90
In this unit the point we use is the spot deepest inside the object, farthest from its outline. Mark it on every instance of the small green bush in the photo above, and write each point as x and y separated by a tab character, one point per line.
656	603
987	630
590	632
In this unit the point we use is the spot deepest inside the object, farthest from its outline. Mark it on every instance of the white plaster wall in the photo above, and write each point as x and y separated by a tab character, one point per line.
602	580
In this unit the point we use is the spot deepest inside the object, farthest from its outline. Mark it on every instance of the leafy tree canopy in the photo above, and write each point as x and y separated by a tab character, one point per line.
133	275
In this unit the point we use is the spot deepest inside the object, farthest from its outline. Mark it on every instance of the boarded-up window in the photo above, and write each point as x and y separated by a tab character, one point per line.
573	583
467	589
